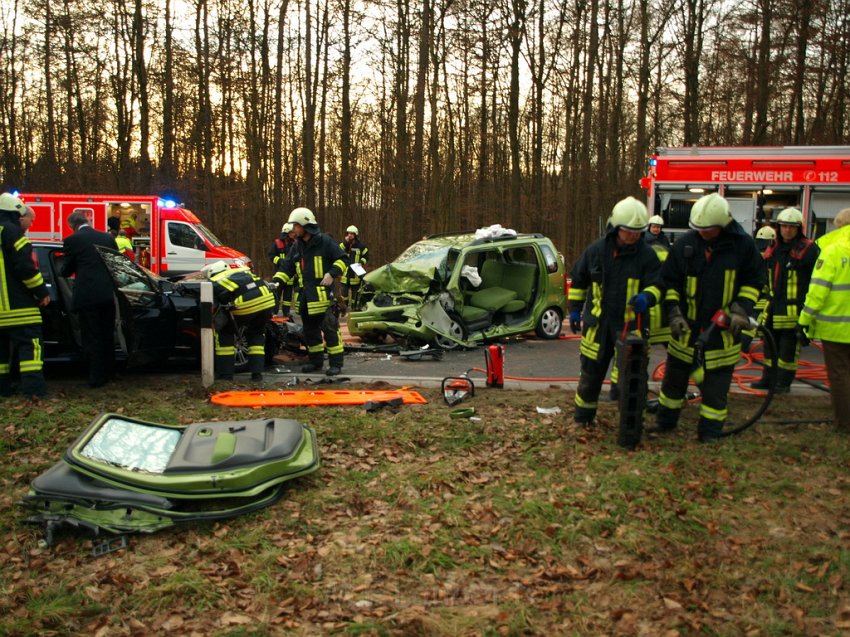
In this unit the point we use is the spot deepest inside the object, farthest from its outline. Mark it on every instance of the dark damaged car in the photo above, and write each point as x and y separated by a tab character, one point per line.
156	319
458	289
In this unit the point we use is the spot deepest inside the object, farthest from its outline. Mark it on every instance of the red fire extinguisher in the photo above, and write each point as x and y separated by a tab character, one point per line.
494	357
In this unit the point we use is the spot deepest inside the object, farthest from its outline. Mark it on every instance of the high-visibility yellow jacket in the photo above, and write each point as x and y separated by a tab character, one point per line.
826	310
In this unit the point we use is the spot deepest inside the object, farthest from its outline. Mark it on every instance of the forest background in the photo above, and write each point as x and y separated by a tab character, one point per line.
404	118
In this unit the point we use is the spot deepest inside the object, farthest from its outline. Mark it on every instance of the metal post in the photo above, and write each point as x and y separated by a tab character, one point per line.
207	335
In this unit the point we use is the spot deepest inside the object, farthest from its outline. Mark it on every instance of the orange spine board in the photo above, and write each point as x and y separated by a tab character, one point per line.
312	397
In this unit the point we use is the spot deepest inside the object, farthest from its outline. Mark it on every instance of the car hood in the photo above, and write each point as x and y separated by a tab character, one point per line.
402	278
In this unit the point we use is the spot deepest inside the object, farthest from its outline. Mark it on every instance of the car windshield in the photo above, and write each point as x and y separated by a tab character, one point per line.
425	254
208	235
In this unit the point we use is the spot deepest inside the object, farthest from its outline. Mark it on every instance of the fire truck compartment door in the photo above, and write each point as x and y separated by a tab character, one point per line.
185	249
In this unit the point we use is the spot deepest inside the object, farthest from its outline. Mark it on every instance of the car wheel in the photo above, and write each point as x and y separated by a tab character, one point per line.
549	324
240	361
456	330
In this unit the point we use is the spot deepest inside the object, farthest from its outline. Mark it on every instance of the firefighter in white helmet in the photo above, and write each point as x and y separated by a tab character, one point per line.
276	253
790	260
314	261
243	300
654	234
357	252
715	266
605	279
23	292
765	236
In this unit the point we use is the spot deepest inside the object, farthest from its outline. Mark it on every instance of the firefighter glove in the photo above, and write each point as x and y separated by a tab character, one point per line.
640	302
575	321
802	337
678	324
738	319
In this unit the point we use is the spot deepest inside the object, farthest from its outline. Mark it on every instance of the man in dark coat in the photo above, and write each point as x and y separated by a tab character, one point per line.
93	296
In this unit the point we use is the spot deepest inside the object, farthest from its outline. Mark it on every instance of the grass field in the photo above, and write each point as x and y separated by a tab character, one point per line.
417	524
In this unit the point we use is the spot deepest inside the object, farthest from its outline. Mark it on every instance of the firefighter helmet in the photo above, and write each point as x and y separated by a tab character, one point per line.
286	228
10	203
214	268
656	220
303	217
766	232
352	230
790	217
630	214
710	211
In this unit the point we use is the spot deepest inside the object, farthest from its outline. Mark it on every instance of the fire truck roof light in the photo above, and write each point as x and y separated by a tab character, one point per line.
167	203
653	161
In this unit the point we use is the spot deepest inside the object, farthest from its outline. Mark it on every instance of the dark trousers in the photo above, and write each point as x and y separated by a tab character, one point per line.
714	389
255	339
593	372
97	324
317	326
26	339
787	354
837	358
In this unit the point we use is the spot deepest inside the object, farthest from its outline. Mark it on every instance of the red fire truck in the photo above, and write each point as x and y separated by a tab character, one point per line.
167	238
758	181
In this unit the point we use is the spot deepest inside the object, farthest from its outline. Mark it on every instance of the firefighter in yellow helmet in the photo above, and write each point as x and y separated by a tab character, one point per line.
357	252
314	261
605	280
22	293
790	260
243	300
714	266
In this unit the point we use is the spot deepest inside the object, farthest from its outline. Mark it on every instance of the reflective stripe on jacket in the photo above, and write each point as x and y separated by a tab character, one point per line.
307	262
21	283
243	289
789	270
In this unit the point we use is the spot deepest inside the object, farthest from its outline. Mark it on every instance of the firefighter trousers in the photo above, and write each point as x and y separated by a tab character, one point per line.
787	357
26	340
593	372
321	333
714	389
254	333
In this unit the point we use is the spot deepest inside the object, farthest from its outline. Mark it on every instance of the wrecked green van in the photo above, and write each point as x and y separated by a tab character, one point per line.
460	289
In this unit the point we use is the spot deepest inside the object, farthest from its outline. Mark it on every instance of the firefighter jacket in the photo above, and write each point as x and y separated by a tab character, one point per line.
789	270
278	249
826	310
306	263
604	278
22	284
357	252
241	288
702	277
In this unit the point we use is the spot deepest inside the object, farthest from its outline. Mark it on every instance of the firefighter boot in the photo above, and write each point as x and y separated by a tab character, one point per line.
765	380
315	364
709	430
666	420
783	381
334	365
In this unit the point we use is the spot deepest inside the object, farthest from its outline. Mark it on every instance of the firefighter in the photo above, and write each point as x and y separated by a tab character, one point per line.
790	260
609	273
826	315
357	252
715	266
765	237
22	292
654	234
243	299
313	262
276	253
